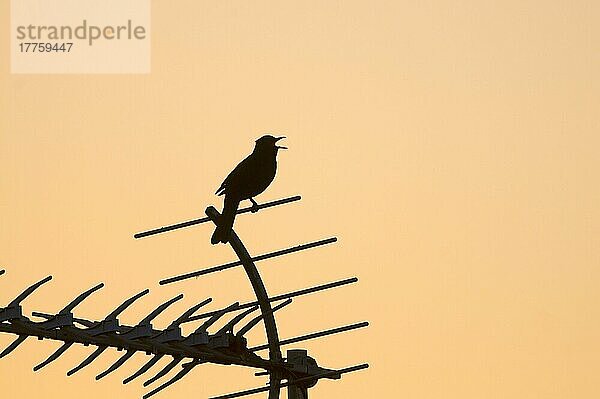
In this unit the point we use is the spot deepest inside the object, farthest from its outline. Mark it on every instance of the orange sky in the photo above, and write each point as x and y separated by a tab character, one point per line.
452	147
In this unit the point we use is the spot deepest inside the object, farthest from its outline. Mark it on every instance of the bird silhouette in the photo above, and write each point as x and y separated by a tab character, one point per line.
251	177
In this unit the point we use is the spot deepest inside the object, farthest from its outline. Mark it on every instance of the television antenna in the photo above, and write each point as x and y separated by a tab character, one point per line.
227	346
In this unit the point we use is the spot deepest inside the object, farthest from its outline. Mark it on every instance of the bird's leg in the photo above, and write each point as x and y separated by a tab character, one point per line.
255	207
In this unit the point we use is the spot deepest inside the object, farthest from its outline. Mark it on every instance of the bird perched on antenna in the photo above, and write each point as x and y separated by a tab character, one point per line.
251	177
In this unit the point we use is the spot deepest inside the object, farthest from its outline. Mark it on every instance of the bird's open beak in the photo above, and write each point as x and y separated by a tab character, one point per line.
278	146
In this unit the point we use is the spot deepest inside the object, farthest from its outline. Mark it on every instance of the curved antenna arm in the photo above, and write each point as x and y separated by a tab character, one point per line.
258	318
144	368
262	298
229	326
165	370
29	291
188	313
54	356
116	364
126	304
87	360
213	319
185	369
14	345
160	309
69	308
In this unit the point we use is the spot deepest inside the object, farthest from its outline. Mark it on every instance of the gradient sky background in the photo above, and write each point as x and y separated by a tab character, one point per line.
452	146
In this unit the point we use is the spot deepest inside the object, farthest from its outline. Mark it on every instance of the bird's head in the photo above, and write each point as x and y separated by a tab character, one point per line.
268	142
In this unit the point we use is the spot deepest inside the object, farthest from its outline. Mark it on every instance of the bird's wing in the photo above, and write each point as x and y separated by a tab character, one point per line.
234	178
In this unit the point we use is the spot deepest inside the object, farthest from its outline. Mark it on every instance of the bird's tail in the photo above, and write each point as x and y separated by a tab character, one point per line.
225	225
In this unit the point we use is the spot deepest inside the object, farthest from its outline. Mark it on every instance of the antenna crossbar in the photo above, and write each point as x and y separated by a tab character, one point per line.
257	258
288	295
329	374
194	222
314	335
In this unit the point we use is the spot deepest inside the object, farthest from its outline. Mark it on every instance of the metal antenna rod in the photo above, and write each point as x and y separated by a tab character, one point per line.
14	345
206	219
160	309
88	360
116	364
186	369
80	298
181	319
29	291
144	368
262	297
54	356
83	322
214	318
332	373
319	334
231	323
165	370
288	295
258	318
257	258
115	313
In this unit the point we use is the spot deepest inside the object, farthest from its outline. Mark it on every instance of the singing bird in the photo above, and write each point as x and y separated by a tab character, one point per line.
251	177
